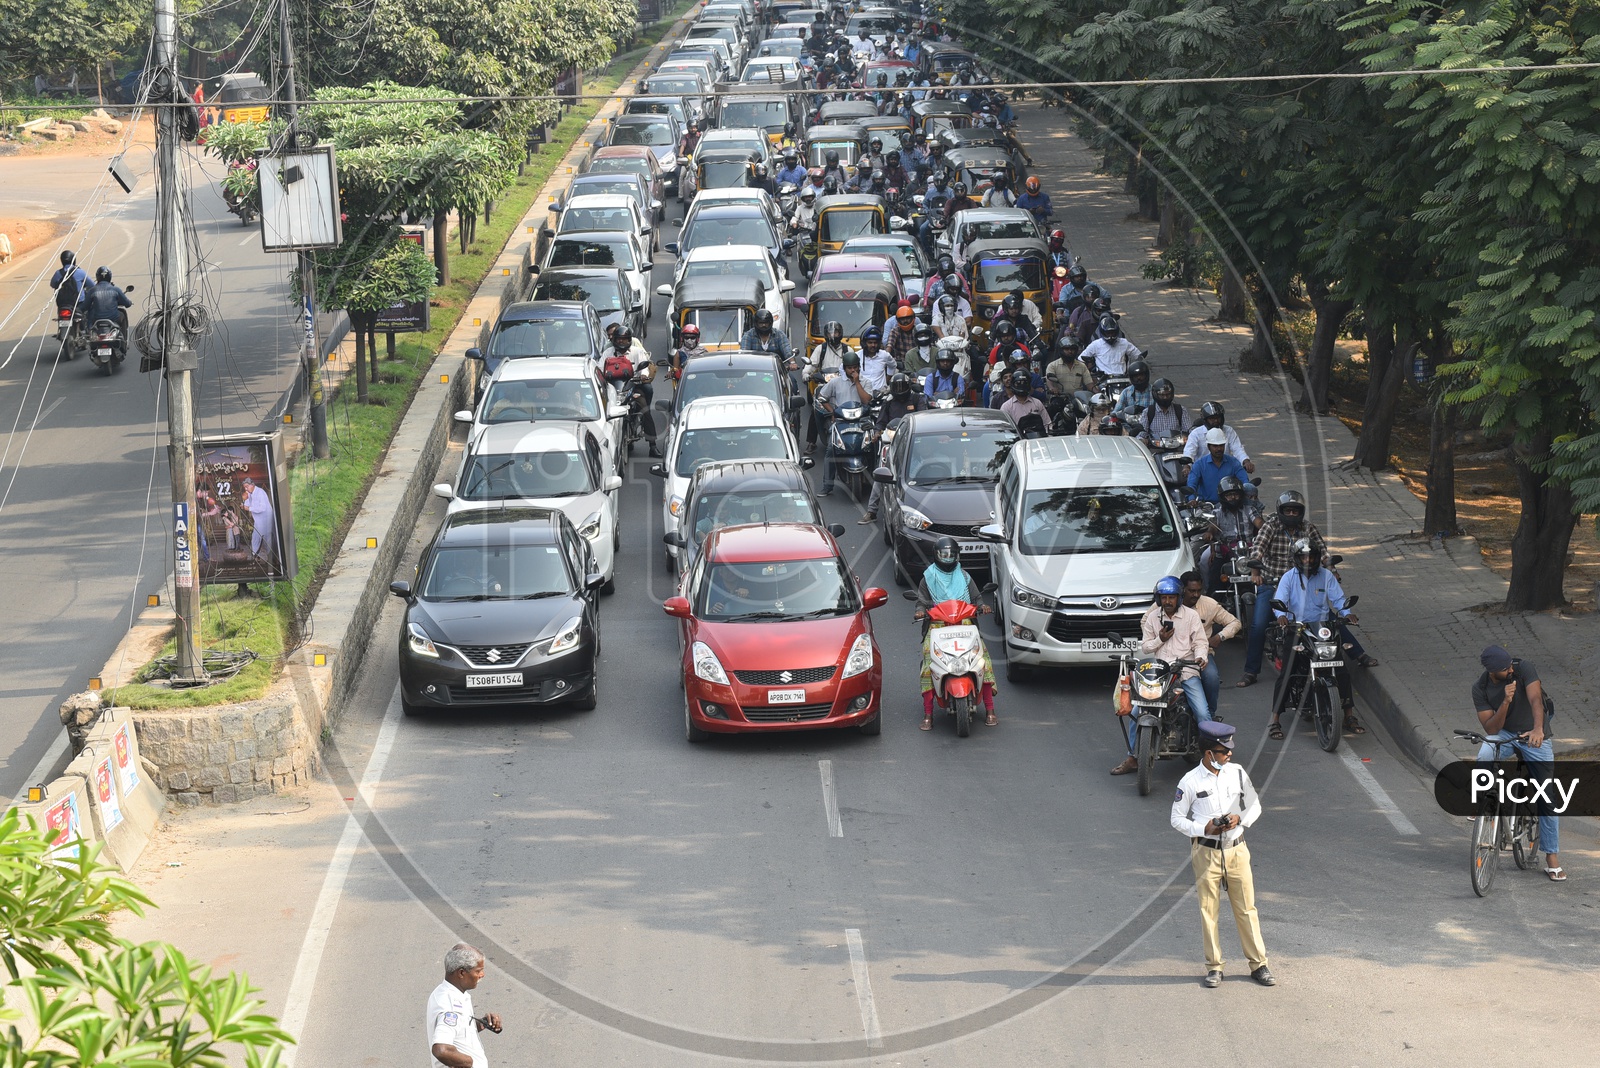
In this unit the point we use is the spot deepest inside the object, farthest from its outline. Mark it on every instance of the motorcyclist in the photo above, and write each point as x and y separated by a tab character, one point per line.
876	364
1109	354
1099	414
873	160
902	335
1165	418
999	194
1020	402
793	171
1035	201
1238	518
827	360
1213	417
919	359
844	388
902	401
948	320
894	173
958	202
1071	295
69	282
945	580
1016	359
1087	315
104	300
1022	310
832	167
644	373
814	181
765	337
934	200
690	139
804	219
1067	375
1212	616
688	348
944	377
1137	396
1172	631
1311	594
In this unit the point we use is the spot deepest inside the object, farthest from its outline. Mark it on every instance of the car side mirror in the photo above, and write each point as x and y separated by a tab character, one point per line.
807	463
836	529
617	411
910	595
990	587
593	581
675	539
992	532
659	470
664	405
875	597
672	247
884	475
474	353
663	290
444	490
676	607
464	417
786	286
401	589
798	303
796	403
655	205
613	483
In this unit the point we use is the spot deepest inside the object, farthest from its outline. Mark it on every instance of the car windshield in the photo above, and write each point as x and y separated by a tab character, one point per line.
499	476
856	315
596	219
840	224
621	165
696	447
775	591
637	106
718	326
496	573
725	381
873	24
520	400
569	252
906	257
541	337
958	454
602	293
654	134
725	174
744	230
764	113
1000	230
732	508
1097	519
997	275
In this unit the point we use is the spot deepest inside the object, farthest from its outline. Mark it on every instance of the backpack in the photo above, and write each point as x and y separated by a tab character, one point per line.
617	368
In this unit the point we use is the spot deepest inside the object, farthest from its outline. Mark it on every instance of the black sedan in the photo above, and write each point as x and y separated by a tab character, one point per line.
733	374
504	613
938	479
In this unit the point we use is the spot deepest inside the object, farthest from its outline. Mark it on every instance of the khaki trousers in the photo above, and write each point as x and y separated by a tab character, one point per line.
1208	873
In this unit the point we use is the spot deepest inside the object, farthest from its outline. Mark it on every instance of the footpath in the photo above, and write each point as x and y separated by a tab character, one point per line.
1426	611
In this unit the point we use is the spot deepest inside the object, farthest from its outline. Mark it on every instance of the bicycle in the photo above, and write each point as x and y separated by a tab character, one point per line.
1497	827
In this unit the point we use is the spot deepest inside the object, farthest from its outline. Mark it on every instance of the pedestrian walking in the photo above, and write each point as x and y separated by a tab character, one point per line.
451	1026
1214	804
1515	712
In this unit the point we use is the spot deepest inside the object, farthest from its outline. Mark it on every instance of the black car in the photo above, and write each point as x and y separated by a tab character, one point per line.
543	328
729	493
607	290
939	479
733	374
659	133
504	613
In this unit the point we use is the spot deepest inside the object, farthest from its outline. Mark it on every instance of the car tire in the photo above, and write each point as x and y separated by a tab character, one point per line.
872	727
610	586
900	576
668	564
1017	673
691	733
591	700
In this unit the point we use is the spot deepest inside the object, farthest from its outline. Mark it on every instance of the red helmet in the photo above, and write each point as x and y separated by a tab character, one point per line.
1058	239
691	332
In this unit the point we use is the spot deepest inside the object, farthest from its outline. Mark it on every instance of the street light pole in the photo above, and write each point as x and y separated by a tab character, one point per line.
311	358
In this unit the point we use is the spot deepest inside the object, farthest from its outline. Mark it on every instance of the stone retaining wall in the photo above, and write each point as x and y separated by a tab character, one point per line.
230	753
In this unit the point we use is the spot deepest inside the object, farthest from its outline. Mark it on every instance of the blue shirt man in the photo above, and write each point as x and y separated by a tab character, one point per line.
939	381
1037	204
1212	469
1310	597
774	341
794	174
70	283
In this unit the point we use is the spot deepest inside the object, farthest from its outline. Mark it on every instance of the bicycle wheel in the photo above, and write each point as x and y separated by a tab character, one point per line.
1485	853
1328	729
1525	840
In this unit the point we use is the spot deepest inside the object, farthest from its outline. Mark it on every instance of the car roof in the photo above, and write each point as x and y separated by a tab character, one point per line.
574	367
946	418
851	261
519	438
1003	247
504	525
747	194
543	309
728	252
718	289
972	215
853	289
830	132
967	154
850	200
721	413
624	152
769	541
871	242
731	133
737	358
738	210
640	118
601	200
1095	460
755	475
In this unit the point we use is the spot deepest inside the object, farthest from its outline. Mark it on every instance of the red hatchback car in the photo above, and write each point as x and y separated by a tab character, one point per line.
776	635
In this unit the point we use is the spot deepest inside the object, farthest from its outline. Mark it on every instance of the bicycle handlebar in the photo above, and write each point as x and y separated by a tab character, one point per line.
1481	740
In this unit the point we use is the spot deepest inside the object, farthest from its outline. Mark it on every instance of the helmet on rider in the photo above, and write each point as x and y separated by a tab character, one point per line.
1102	403
1058	238
1308	562
1163	392
924	334
1093	292
102	274
831	159
813	174
1011	302
68	258
1000	180
1212	410
1017	357
763	321
1139	374
900	385
905	317
1021	381
946	356
1292	508
1111	426
877	142
947	264
1076	274
851	359
960	189
808	193
946	554
940	180
1109	328
1033	184
1005	331
1230	491
947	304
622	339
690	334
830	184
879	180
833	331
791	155
871	334
1169	590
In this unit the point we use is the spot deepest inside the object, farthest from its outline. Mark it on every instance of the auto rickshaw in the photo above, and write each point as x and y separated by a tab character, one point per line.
845	112
856	303
941	60
723	307
849	141
839	218
721	168
242	98
931	115
978	164
995	268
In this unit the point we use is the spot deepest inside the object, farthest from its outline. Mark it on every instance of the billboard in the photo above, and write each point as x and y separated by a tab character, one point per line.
406	316
299	199
243	529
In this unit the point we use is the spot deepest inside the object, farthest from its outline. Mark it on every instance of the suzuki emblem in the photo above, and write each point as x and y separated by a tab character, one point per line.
493	656
1109	603
785	676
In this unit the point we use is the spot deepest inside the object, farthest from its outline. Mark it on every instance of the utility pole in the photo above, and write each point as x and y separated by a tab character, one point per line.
179	361
312	355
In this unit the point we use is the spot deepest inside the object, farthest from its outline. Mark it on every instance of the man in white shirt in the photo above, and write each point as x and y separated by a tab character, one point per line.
1214	804
1110	356
263	532
450	1025
1212	417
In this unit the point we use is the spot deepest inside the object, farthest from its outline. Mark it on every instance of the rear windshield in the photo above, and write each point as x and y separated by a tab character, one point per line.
842	224
856	315
996	275
817	152
675	86
776	591
621	165
524	400
700	382
601	293
566	252
596	219
698	447
747	230
653	134
734	174
718	326
970	454
496	573
762	113
905	257
1100	519
1003	230
541	337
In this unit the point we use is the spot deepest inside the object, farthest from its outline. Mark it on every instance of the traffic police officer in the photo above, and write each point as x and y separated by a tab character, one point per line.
1215	803
451	1027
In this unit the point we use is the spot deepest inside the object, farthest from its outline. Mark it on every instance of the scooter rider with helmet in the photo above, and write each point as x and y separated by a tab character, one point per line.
1036	202
903	400
1311	594
946	580
104	300
827	360
1171	631
1213	417
688	348
1110	353
70	282
793	172
944	378
1137	396
644	373
1234	529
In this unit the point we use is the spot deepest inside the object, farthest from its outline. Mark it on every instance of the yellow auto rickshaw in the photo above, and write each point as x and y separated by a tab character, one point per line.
242	98
723	307
996	268
847	215
857	303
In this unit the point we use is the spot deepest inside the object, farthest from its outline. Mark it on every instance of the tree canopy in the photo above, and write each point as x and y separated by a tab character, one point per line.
50	36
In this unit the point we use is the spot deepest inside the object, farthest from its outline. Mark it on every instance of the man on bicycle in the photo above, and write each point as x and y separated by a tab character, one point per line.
1312	594
1510	703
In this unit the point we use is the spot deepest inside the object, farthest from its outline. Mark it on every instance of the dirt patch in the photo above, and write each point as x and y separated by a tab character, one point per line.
28	234
94	142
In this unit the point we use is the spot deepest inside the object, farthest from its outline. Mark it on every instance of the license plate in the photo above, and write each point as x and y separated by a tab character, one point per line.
508	678
1102	645
786	697
1327	663
102	352
973	547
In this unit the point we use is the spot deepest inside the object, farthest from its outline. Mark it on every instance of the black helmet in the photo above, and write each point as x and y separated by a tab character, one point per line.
945	355
877	142
1093	292
1229	484
1109	328
851	359
833	331
1111	425
1077	275
622	338
947	264
790	154
68	258
900	384
1139	373
960	189
883	81
830	184
763	319
892	157
831	158
1000	180
102	274
1212	410
879	179
946	553
1021	380
1163	387
1291	508
924	333
1005	330
1011	302
940	180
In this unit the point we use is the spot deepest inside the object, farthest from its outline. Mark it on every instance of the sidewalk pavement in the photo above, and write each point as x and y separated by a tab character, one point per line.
1426	612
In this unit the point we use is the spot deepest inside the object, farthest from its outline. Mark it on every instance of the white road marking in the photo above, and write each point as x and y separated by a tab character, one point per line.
249	238
298	1005
43	771
1376	792
42	416
830	801
863	981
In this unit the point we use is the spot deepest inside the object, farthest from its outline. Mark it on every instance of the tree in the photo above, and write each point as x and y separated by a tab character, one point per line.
48	36
77	995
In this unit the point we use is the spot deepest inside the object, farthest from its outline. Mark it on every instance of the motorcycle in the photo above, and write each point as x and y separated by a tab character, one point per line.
1306	682
853	436
631	397
955	656
107	348
71	331
1165	726
806	256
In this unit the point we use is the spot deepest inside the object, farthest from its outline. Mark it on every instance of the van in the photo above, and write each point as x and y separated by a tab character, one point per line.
1084	528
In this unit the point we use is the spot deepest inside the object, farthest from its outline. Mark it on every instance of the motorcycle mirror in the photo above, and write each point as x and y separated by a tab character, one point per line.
1335	561
910	595
127	289
1351	603
1113	637
659	470
1279	606
990	587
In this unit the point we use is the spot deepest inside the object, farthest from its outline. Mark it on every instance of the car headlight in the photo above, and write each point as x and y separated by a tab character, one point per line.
419	642
571	631
591	527
1031	599
706	664
914	520
860	658
675	506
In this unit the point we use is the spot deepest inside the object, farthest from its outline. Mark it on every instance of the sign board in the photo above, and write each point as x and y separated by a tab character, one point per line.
127	767
244	531
299	200
649	10
182	555
405	316
104	786
65	823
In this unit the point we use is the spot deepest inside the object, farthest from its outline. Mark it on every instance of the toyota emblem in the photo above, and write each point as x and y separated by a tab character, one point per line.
1109	604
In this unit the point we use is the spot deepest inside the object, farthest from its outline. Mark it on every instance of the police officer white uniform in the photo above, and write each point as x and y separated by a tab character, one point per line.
1214	804
450	1021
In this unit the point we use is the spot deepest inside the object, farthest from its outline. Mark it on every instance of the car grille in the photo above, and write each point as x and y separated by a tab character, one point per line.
504	655
786	713
796	676
1065	628
957	530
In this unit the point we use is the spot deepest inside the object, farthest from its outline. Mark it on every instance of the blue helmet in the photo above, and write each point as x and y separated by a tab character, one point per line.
872	332
1169	585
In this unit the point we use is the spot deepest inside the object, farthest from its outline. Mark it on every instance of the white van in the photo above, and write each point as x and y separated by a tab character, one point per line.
1083	530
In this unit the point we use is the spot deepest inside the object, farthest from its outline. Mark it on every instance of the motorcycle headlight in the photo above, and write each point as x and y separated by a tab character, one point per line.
860	658
419	642
571	631
591	527
706	664
914	520
1322	634
675	506
1031	598
1149	689
1326	650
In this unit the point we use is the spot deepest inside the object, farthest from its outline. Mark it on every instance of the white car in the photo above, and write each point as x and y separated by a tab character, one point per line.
554	389
741	195
604	248
747	261
1084	529
555	465
716	428
987	224
606	211
774	69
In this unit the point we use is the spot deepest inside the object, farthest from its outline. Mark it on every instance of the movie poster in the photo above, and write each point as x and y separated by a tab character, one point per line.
127	770
105	794
243	530
62	818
